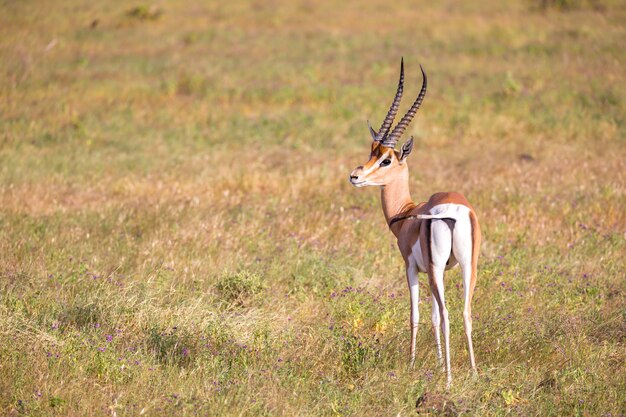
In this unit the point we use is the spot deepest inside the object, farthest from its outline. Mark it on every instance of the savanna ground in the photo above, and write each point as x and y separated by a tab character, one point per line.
178	235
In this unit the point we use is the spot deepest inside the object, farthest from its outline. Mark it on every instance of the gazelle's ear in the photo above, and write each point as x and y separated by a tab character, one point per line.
406	149
372	131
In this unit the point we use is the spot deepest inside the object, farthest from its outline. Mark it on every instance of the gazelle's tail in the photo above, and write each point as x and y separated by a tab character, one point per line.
436	216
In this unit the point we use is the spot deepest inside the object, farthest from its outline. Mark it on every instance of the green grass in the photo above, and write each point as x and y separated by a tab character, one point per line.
178	235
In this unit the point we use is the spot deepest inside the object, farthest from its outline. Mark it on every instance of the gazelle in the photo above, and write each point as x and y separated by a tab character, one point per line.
433	236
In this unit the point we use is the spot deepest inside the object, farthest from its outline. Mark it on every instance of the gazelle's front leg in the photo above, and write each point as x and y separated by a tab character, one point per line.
411	274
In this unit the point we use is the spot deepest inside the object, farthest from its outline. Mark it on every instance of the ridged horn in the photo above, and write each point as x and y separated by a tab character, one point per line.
391	139
393	110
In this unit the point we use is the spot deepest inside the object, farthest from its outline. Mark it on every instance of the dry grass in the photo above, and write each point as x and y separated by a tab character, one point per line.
178	235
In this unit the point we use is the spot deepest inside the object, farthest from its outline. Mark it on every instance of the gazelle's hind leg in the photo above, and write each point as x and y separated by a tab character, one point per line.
440	248
411	274
462	247
436	319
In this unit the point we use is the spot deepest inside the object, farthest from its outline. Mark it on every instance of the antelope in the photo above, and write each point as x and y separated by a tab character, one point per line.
433	236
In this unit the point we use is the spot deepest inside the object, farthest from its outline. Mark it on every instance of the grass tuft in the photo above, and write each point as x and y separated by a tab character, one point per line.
239	288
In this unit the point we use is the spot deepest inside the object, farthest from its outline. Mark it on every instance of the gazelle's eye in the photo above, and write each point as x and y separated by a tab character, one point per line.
385	162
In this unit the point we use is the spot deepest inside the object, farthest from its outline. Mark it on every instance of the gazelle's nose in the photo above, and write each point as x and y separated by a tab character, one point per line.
354	174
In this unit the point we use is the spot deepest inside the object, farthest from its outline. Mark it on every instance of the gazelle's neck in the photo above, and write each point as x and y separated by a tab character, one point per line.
396	197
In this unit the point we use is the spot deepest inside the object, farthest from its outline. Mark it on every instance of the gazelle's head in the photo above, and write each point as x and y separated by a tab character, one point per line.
386	163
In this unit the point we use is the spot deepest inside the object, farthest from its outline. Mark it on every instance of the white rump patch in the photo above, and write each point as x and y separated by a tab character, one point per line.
460	240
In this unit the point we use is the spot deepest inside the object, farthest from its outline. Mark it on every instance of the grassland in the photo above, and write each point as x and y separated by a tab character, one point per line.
178	235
